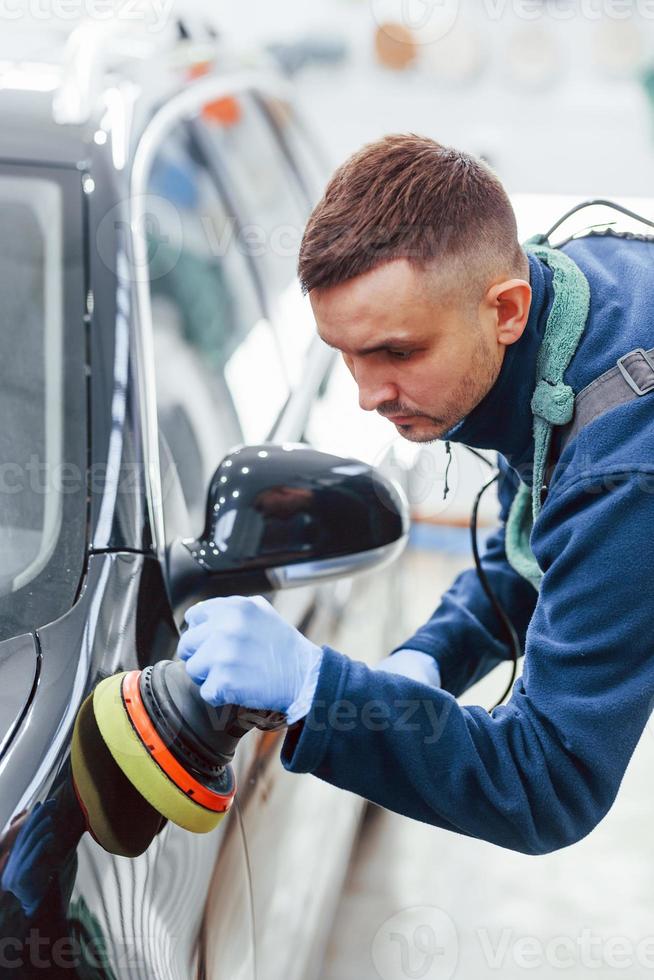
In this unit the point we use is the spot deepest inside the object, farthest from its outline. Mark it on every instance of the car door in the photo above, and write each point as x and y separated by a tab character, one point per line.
223	377
299	829
298	873
219	382
237	361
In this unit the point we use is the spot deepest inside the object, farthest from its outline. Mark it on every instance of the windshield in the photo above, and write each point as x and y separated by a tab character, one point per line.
42	473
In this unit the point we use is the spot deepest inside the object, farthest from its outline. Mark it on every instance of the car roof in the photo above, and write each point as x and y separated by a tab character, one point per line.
55	95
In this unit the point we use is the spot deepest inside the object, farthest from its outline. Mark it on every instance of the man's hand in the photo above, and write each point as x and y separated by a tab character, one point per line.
412	663
242	652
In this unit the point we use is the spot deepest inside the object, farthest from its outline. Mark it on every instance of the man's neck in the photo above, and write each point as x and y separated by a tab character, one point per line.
502	420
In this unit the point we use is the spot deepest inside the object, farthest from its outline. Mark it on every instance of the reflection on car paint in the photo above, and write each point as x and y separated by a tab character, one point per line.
42	929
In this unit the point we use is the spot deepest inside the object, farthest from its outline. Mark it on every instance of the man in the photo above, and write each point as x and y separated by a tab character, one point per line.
414	272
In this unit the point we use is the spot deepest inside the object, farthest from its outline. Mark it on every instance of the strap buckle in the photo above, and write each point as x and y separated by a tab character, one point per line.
624	371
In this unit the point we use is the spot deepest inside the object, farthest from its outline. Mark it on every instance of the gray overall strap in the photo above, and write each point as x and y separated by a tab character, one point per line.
632	377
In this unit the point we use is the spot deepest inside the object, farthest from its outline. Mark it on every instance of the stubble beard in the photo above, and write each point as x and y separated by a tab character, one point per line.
482	375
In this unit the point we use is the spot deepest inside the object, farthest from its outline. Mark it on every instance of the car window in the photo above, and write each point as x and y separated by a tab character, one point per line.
263	184
303	152
42	408
262	179
220	378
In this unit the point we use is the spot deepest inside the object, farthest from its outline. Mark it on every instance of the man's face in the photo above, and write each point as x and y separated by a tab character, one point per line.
419	357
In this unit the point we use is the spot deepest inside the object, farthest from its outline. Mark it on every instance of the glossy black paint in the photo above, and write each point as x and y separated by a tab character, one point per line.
18	672
118	514
118	518
42	927
29	133
119	618
68	908
271	506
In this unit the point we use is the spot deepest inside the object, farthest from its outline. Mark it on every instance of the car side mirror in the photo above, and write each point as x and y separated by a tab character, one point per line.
284	516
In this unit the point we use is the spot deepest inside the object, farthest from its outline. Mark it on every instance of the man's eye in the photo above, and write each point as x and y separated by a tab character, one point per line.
400	355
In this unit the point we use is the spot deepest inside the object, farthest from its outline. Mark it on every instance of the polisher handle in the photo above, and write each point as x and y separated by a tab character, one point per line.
205	737
234	719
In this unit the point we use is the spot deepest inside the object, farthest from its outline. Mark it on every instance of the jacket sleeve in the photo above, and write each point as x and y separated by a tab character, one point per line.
539	772
464	633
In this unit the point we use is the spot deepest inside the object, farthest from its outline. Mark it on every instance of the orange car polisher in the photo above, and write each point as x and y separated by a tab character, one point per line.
147	748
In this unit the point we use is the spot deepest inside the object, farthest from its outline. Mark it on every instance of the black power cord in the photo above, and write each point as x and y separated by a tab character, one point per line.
593	202
507	625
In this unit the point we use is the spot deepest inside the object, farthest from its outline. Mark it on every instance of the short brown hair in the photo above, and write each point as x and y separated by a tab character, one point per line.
407	196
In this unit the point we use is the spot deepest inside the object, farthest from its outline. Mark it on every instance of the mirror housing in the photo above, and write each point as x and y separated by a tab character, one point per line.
287	515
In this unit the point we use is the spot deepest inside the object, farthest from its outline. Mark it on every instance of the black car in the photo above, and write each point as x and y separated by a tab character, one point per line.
152	327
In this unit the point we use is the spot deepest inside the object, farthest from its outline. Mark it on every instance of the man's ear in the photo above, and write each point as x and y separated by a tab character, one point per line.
510	302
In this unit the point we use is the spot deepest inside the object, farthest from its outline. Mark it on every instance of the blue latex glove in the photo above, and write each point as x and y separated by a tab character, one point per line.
412	663
240	651
32	864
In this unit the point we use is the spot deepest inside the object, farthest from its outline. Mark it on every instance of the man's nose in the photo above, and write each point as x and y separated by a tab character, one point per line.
374	389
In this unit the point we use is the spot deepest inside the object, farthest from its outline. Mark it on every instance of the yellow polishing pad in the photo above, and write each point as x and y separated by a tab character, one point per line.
118	817
140	768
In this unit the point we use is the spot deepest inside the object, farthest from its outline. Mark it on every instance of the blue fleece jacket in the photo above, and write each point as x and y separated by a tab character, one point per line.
537	773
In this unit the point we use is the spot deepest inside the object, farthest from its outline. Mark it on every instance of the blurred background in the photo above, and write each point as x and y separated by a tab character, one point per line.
555	96
558	98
